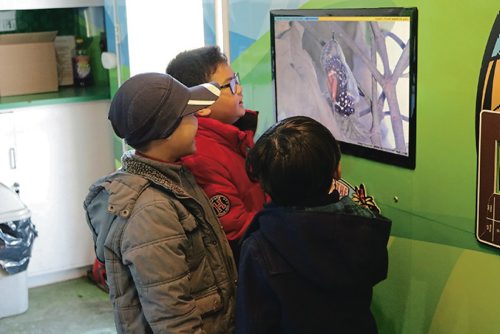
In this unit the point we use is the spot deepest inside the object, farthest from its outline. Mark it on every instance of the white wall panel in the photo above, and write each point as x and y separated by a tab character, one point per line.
61	150
158	30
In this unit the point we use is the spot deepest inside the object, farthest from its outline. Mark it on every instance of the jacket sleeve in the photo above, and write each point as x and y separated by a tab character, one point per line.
153	248
226	199
257	308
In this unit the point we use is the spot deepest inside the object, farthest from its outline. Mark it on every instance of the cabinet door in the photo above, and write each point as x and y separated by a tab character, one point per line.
62	149
7	149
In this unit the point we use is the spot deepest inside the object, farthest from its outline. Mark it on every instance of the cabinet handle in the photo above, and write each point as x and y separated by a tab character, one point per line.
12	158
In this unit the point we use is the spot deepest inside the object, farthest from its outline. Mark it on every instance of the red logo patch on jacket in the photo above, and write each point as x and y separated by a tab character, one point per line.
221	204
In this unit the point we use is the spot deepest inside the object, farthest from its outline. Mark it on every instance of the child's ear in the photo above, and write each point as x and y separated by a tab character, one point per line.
204	112
337	174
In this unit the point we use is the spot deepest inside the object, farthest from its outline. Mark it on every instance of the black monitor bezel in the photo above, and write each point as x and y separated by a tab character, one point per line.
354	149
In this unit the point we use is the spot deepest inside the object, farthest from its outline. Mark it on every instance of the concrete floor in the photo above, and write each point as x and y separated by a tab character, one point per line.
75	306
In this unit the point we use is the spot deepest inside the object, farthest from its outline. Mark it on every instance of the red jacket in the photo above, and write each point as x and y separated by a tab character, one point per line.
219	168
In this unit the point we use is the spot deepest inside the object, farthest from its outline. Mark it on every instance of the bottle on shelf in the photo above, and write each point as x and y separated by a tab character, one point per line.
82	73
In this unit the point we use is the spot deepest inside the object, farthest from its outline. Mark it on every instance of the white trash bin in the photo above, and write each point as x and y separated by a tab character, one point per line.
13	286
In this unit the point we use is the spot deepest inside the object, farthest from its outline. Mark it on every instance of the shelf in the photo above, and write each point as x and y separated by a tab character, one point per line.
64	95
46	4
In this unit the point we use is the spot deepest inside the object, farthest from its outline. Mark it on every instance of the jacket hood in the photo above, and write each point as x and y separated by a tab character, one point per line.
330	250
109	198
114	196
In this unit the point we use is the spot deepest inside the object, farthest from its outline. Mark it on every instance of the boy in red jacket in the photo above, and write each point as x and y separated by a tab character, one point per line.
225	134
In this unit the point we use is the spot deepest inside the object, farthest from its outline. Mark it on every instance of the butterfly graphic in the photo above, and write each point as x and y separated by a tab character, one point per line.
361	198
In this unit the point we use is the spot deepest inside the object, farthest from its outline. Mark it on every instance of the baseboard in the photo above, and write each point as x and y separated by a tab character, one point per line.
59	276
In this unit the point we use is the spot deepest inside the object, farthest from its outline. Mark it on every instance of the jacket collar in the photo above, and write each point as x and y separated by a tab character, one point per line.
166	175
227	134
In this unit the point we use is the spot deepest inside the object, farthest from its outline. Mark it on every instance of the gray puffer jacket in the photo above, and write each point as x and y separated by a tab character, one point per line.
168	263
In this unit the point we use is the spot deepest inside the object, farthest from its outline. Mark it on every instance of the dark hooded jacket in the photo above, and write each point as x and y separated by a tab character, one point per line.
311	270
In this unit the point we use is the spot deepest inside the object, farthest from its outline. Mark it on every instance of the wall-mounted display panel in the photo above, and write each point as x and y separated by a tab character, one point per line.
354	70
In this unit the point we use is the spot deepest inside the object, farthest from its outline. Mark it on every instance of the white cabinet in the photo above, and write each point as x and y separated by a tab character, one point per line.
60	150
55	146
7	148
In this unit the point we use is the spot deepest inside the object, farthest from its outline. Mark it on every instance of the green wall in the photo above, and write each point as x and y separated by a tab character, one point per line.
441	280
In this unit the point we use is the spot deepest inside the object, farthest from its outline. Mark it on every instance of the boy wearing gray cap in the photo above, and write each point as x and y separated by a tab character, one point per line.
169	266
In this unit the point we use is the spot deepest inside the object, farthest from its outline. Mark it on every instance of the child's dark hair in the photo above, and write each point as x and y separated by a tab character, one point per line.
195	67
295	161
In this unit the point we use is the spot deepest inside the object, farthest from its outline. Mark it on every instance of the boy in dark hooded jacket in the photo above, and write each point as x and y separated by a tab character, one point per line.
309	260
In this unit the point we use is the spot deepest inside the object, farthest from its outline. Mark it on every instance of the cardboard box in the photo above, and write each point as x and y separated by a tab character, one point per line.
28	63
65	47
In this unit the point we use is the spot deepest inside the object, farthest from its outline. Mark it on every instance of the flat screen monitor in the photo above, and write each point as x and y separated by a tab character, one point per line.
353	70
